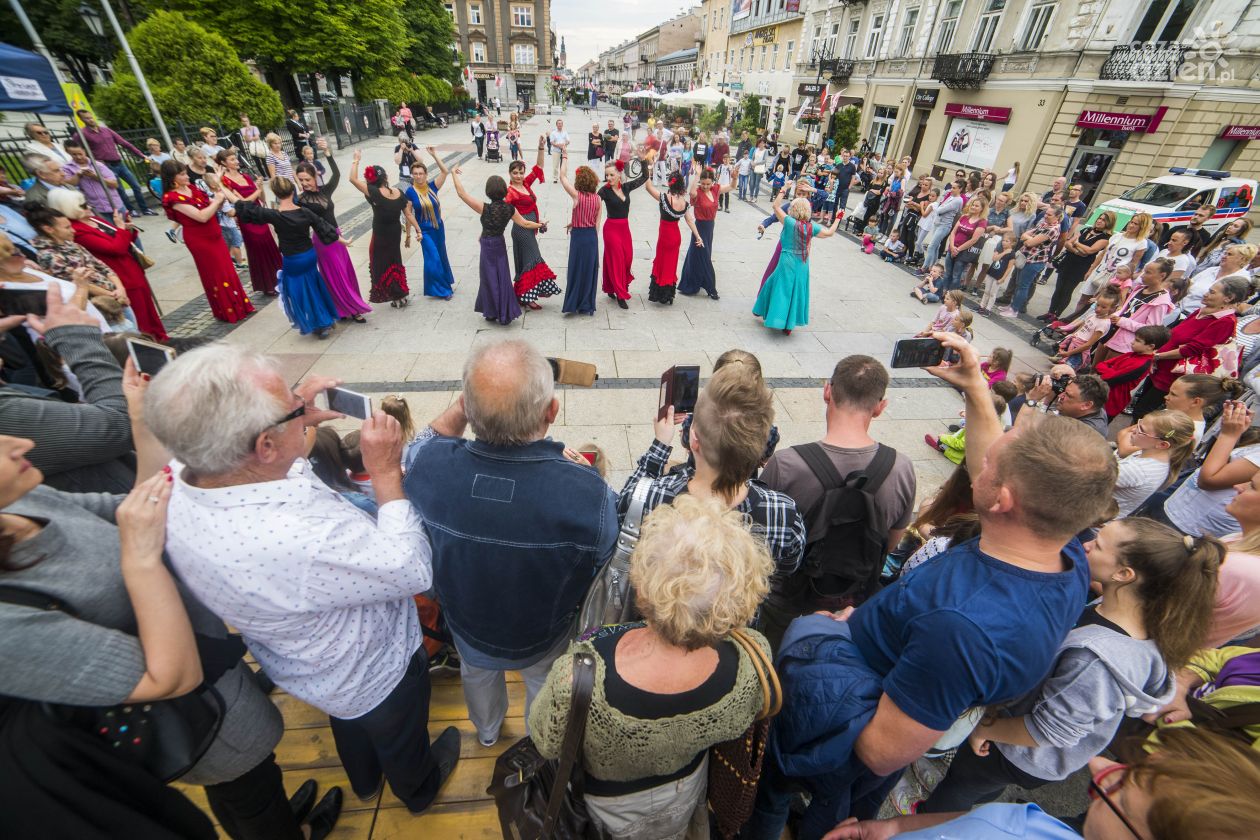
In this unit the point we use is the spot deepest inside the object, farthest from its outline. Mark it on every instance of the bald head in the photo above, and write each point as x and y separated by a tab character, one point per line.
509	396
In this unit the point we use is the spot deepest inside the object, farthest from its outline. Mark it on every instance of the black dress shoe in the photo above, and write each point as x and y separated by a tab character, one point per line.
622	304
324	818
265	683
446	752
303	799
714	296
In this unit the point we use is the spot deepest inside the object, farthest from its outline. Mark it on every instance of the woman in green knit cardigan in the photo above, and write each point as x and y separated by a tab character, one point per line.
672	686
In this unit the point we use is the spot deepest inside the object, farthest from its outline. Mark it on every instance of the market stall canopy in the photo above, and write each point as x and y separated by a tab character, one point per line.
641	94
27	83
707	96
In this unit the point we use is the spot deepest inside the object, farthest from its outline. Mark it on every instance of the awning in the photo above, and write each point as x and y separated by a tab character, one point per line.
27	83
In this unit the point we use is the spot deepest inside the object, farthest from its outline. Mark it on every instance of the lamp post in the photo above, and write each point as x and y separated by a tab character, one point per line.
823	55
93	21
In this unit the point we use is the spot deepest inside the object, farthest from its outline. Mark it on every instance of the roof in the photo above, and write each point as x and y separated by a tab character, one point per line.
1200	182
678	56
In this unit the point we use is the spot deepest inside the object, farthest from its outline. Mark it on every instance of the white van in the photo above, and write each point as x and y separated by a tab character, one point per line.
1172	199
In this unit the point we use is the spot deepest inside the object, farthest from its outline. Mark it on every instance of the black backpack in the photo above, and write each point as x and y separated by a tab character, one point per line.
844	544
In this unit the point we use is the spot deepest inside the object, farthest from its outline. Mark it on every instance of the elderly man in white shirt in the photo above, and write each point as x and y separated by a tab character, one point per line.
559	139
41	143
321	593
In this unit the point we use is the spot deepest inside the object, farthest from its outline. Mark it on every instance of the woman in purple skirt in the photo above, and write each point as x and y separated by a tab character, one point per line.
334	259
496	298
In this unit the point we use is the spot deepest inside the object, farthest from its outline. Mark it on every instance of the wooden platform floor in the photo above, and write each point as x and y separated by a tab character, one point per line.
463	809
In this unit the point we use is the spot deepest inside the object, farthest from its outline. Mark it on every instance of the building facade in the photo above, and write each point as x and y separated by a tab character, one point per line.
1106	94
636	63
508	46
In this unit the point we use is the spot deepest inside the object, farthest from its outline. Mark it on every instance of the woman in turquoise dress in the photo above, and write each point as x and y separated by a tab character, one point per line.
439	280
783	301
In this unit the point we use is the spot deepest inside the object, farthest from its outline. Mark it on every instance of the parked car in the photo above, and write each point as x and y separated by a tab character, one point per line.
1172	199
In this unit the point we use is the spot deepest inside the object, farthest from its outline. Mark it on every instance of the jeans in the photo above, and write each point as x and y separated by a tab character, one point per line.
955	270
254	805
754	186
743	186
393	739
121	171
485	689
842	201
933	251
1026	283
774	799
480	141
973	781
724	201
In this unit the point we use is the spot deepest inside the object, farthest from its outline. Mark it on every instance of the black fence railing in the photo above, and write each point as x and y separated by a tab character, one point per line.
1154	62
962	70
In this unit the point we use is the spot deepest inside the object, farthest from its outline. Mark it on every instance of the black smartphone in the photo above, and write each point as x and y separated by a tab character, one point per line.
680	387
349	403
148	356
917	352
24	302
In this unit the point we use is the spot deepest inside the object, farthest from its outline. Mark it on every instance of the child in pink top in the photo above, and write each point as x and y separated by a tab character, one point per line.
997	366
1092	327
943	321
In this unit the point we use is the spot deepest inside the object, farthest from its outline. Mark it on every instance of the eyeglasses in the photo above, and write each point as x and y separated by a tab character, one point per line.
1098	791
292	415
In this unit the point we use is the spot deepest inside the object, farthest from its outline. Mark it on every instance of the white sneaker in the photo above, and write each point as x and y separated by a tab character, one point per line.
1008	312
488	742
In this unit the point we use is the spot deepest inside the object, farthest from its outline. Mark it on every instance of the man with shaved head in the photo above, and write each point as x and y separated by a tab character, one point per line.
518	529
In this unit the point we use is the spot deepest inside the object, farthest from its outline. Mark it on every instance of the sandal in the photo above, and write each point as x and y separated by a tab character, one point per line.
358	319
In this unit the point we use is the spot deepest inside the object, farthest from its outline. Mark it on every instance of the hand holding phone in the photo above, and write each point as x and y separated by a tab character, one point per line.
148	357
349	403
917	352
680	386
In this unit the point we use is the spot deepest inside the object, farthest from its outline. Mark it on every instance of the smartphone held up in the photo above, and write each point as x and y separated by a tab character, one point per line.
349	403
917	353
680	387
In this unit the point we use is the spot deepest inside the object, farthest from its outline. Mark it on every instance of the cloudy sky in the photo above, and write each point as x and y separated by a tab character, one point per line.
590	26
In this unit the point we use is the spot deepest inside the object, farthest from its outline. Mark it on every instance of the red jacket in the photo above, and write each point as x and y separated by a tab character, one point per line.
1193	337
1122	374
112	246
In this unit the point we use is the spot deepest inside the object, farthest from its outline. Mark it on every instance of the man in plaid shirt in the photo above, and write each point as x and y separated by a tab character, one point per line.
1035	245
732	421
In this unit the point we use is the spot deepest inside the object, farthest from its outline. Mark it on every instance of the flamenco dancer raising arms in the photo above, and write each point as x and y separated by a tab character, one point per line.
439	280
333	257
389	277
673	206
533	278
784	299
803	190
495	298
583	276
618	247
697	273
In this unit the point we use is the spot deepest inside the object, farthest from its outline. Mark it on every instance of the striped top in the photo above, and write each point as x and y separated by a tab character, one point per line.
585	210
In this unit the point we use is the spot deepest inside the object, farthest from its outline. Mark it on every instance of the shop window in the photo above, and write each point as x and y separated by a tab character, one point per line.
872	40
1038	26
949	25
987	26
1164	20
907	33
1219	154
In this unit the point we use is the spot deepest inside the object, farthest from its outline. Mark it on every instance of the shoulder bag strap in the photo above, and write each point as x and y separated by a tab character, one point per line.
634	511
571	748
825	472
772	690
877	470
34	599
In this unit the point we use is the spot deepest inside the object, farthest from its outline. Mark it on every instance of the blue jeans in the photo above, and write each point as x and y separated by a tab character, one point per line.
1025	284
934	246
754	185
124	174
743	186
955	270
842	201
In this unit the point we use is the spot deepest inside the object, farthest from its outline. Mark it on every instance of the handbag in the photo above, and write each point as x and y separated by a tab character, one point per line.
609	600
257	148
1021	260
532	794
735	766
759	168
165	737
142	258
1220	361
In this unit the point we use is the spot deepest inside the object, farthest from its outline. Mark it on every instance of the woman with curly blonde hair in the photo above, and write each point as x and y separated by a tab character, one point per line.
583	276
671	687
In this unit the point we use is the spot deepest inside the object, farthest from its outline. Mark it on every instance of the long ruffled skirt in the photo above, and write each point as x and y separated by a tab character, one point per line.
304	293
495	297
533	278
618	255
439	280
338	272
583	276
665	265
697	273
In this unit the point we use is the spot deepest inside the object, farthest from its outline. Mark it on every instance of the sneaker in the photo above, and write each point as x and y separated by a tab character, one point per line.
983	311
1007	312
488	742
933	442
954	427
445	660
170	234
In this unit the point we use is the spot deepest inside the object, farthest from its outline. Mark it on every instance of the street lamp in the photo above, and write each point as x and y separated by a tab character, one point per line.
92	19
822	55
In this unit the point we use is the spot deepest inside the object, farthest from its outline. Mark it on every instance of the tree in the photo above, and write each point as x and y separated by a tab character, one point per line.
430	32
844	127
63	31
206	84
750	120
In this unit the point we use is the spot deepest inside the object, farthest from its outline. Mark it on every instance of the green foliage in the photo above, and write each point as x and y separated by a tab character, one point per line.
844	128
750	117
204	82
366	35
712	119
430	33
62	30
400	86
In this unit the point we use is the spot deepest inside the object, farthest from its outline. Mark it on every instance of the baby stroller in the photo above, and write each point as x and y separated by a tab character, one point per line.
1051	334
492	146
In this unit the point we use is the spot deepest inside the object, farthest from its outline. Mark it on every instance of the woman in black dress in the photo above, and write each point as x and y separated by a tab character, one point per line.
1078	257
389	277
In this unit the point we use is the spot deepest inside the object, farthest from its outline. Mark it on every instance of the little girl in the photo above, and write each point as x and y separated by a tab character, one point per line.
227	222
1158	589
1196	394
961	323
926	291
999	272
1123	279
777	179
997	366
943	320
1152	452
1090	329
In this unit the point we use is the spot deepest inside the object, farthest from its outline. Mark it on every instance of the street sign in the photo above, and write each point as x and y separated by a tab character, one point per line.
926	98
810	89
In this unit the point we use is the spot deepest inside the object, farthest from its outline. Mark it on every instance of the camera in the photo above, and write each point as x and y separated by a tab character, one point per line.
1058	384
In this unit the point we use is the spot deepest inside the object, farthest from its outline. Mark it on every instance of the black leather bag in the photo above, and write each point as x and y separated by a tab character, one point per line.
165	737
532	794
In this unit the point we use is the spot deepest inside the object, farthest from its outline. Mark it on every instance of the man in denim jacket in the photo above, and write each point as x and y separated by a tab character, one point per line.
518	530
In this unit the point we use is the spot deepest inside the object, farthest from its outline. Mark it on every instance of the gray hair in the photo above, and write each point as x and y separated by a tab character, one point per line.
67	202
207	407
508	387
36	164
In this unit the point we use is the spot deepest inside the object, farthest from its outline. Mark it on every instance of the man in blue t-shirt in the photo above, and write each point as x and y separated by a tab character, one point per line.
868	691
846	170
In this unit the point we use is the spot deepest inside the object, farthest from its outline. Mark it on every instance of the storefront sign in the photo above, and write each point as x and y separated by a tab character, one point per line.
972	143
765	35
1241	132
1112	121
810	89
926	98
735	86
984	113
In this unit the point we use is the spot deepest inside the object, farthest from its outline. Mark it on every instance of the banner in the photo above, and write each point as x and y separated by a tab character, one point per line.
1241	132
984	113
972	143
740	9
765	35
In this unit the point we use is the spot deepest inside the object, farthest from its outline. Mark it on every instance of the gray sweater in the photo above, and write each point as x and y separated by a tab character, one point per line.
1099	678
95	659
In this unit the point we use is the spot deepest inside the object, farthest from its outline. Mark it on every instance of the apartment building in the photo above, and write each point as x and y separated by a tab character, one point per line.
634	63
508	45
751	47
1106	93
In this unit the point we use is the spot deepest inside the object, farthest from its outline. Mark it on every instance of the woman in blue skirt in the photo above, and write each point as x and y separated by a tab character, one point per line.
784	299
697	273
439	280
303	292
583	277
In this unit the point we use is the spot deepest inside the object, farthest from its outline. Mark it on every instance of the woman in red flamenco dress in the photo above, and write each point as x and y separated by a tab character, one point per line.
533	278
195	211
618	247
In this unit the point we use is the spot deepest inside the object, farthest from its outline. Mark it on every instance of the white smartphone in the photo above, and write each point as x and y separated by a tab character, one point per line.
349	403
147	356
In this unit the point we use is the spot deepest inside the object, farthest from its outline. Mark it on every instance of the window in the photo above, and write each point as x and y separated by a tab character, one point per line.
1165	20
523	16
474	14
872	40
763	57
523	54
450	9
1038	26
949	25
478	52
907	33
986	27
787	60
774	57
850	40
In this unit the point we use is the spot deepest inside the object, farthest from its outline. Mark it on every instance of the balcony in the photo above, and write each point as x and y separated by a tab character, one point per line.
1154	62
962	70
754	22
